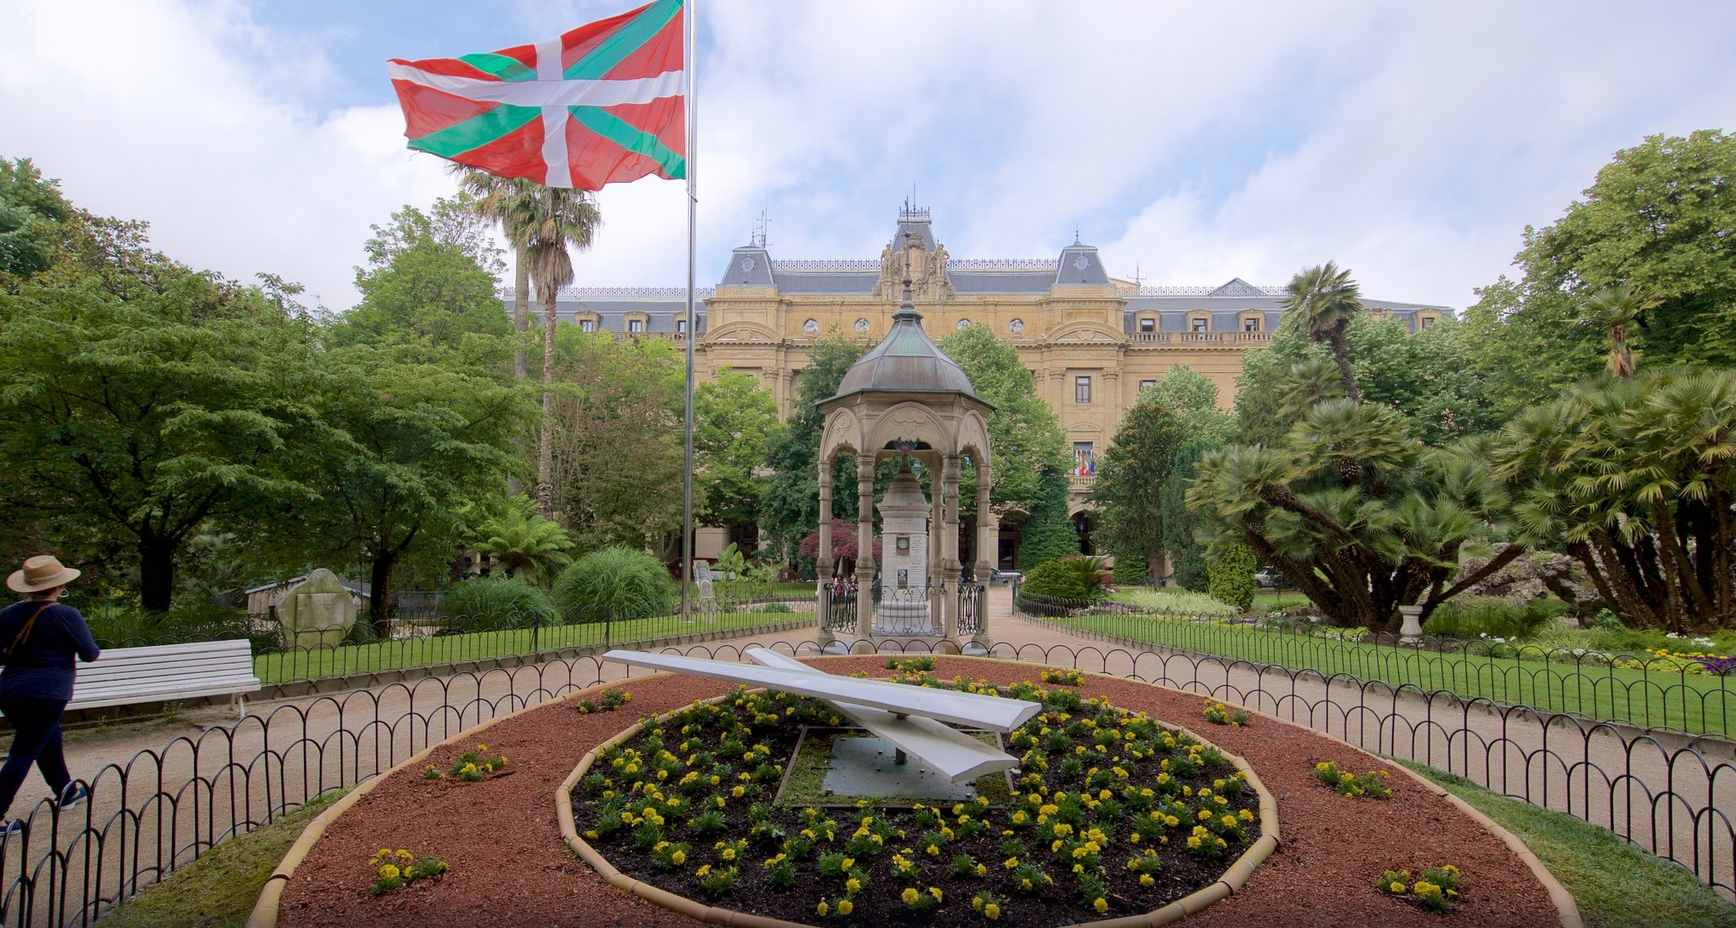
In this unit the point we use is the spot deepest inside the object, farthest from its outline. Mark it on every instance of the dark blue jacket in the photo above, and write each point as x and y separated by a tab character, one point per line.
40	667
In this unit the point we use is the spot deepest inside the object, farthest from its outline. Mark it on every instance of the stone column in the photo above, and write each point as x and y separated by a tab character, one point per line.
823	560
936	543
988	550
949	566
865	544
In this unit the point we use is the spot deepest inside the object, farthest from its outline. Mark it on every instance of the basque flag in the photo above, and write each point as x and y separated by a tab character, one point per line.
601	104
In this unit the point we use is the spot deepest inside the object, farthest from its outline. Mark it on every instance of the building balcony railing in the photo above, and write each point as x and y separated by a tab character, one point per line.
671	336
1084	482
1199	338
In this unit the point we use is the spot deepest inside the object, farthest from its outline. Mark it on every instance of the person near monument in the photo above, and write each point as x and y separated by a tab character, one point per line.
39	638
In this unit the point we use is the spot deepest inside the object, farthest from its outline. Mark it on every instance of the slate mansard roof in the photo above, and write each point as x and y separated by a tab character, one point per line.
1078	265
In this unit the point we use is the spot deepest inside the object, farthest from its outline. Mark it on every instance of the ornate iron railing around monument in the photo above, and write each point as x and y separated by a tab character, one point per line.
972	600
165	808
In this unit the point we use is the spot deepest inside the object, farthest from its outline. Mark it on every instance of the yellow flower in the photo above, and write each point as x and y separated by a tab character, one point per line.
845	906
1396	886
1101	905
852	885
909	896
1146	880
822	909
1323	766
935	892
991	911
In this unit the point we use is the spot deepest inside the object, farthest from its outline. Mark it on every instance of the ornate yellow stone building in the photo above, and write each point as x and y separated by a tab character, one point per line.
1092	341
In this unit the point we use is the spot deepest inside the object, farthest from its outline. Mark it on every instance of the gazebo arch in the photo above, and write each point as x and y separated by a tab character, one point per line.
905	398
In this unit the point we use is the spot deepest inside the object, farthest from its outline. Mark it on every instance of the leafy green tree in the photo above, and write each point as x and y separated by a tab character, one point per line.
1128	494
403	440
1048	532
1230	569
1194	399
1029	449
1187	557
1637	479
1319	302
790	505
31	210
734	421
615	441
1427	377
524	544
430	276
130	422
1658	219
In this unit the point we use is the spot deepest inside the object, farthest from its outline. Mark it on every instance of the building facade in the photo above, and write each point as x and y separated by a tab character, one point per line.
1092	341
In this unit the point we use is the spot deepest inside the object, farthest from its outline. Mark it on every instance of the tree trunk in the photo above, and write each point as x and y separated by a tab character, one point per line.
156	574
544	447
380	593
520	309
1341	354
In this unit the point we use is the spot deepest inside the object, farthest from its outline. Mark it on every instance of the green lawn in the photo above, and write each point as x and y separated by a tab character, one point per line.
1615	884
320	663
1699	703
219	889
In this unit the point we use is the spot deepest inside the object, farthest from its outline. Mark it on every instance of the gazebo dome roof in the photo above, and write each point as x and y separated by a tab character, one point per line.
906	361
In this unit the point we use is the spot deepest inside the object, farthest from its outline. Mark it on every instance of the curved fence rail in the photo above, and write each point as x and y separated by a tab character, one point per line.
165	808
1644	690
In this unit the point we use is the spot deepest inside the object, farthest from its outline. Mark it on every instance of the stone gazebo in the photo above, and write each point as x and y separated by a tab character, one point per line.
905	398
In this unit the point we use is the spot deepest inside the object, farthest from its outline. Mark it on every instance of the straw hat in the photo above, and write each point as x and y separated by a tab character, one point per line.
42	572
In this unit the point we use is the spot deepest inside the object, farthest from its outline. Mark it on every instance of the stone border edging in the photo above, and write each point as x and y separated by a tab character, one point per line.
265	911
1233	879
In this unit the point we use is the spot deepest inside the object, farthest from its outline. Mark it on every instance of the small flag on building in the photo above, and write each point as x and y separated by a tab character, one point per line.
601	104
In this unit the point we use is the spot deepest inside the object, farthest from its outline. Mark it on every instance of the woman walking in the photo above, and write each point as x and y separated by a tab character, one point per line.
38	640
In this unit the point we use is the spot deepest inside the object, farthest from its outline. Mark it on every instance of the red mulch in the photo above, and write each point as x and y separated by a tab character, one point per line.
510	867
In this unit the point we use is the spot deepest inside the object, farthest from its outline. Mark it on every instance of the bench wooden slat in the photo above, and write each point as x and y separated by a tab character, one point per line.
158	673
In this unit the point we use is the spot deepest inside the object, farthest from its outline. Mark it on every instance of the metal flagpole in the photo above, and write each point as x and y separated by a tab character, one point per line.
689	59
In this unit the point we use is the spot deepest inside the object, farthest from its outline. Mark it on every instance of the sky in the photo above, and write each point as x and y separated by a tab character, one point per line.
1192	143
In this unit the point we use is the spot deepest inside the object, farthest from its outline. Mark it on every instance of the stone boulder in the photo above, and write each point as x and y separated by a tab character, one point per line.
317	612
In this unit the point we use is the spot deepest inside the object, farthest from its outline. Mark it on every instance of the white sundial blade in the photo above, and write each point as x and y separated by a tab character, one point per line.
955	754
972	710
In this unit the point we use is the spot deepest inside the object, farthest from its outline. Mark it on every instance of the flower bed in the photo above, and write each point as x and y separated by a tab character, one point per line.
1113	814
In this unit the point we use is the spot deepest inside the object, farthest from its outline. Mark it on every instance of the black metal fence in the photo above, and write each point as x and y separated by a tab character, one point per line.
165	808
972	600
1639	689
434	638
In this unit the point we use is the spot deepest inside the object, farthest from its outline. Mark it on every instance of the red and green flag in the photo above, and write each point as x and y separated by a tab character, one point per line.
601	104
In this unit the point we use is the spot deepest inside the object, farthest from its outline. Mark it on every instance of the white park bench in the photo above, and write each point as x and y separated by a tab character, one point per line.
167	673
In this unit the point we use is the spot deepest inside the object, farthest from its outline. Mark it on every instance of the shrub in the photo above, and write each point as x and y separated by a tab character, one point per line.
614	583
1231	571
1219	714
1435	891
493	603
191	618
1479	616
1069	578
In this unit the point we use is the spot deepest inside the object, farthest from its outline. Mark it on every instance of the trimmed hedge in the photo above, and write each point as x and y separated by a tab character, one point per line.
1230	568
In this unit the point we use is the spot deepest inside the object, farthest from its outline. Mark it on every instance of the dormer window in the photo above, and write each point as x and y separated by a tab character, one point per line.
1428	321
587	325
1198	324
681	326
1147	324
1251	324
635	326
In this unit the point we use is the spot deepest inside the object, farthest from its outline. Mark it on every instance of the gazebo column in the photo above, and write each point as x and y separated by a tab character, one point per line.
936	549
865	544
988	536
823	562
949	565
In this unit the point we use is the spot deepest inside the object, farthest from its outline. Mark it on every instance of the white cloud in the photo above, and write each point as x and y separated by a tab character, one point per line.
1410	142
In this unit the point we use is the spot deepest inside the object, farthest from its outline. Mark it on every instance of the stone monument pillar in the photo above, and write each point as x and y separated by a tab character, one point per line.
904	554
823	559
865	546
987	553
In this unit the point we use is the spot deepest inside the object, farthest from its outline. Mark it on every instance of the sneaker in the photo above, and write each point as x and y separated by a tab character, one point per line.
74	794
11	826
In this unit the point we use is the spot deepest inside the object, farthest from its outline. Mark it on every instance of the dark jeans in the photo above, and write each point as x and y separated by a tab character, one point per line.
35	739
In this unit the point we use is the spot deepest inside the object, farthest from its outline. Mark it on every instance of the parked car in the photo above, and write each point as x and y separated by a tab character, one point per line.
1006	576
1269	578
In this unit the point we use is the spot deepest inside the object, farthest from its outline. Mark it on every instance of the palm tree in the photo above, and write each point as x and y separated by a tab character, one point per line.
542	223
527	545
1615	308
1319	303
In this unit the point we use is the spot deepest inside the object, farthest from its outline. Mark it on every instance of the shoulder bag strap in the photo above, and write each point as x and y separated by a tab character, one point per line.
24	633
